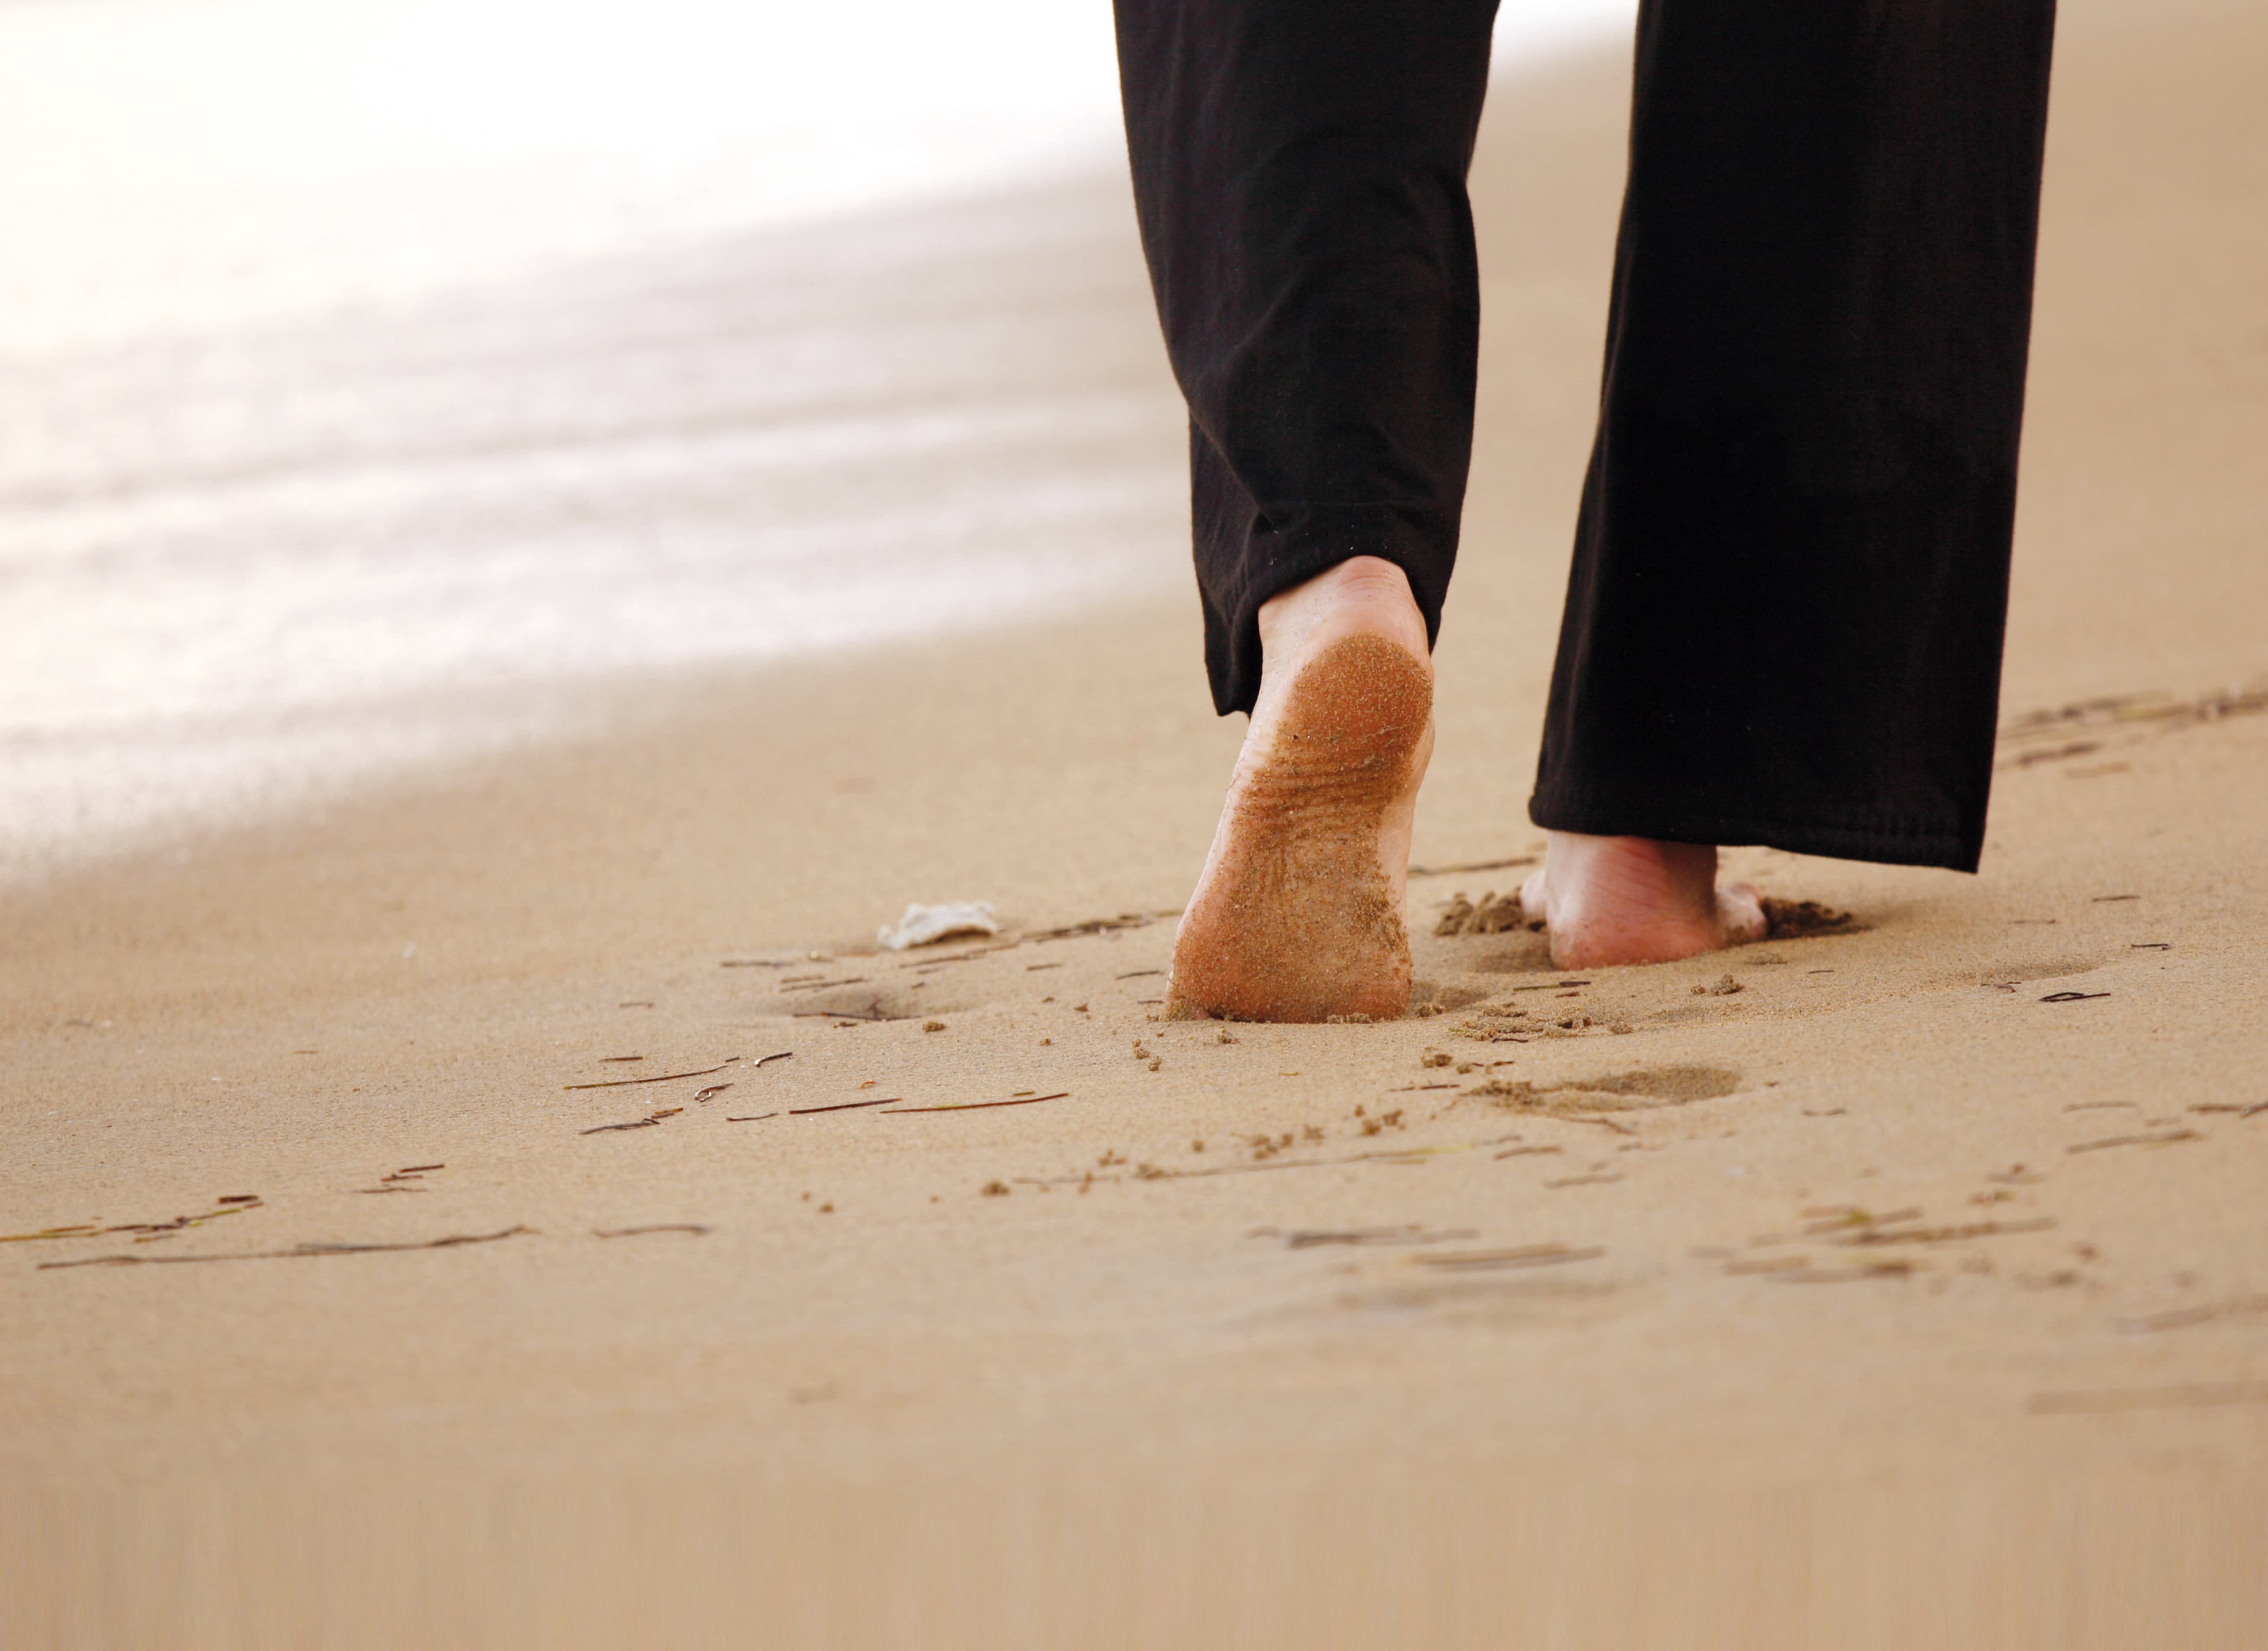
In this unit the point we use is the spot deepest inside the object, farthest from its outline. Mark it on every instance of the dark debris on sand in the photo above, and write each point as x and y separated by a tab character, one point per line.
1496	914
1793	919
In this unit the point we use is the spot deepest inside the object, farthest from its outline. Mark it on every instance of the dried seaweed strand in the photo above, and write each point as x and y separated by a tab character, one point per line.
85	1229
667	1077
979	1106
694	1227
922	966
1102	926
1846	1275
1960	1233
297	1253
2136	1140
1310	1238
646	1122
234	1205
1521	1255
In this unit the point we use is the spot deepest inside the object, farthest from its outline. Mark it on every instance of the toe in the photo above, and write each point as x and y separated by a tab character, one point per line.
1740	910
1536	908
1532	905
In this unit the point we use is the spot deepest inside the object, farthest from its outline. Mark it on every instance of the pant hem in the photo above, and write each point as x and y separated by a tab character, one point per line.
1319	539
1891	845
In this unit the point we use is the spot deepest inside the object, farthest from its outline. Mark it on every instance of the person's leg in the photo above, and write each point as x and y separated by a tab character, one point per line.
1300	178
1298	171
1784	621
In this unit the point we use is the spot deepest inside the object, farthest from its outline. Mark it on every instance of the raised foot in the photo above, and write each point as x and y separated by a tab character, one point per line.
1636	900
1298	914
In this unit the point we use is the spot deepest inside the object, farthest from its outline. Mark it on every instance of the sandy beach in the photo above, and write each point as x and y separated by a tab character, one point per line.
1905	1284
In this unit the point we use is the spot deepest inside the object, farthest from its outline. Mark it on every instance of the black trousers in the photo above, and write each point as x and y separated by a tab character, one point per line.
1784	622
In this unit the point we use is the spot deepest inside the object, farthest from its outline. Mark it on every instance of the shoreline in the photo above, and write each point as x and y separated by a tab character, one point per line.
454	525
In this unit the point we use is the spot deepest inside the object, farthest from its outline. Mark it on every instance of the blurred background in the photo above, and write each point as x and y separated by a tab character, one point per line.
368	371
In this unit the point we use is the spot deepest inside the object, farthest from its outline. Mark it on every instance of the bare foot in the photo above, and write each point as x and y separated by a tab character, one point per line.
1635	900
1298	915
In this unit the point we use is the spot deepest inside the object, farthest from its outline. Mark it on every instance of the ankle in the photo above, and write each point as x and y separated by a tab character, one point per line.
1628	871
1366	594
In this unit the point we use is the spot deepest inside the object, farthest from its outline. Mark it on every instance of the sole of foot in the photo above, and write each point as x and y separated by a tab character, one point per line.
1636	900
1298	915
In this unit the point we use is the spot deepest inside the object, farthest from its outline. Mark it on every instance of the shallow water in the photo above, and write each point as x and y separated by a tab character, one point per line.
240	572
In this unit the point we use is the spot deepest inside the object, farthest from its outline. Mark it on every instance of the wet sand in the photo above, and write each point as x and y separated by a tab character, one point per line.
1902	1284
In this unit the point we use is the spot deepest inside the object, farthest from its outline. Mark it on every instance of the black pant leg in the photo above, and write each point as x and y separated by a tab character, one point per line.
1783	624
1299	175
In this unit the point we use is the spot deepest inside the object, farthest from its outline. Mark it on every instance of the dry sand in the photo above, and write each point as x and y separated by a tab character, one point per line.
1914	1293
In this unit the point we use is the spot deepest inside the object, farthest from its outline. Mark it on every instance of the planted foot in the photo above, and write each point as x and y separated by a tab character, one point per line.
1636	900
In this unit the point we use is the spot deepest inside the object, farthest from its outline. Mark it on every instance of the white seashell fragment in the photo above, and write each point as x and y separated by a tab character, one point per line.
920	925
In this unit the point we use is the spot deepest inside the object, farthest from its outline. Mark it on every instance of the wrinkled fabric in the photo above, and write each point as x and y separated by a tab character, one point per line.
1784	614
